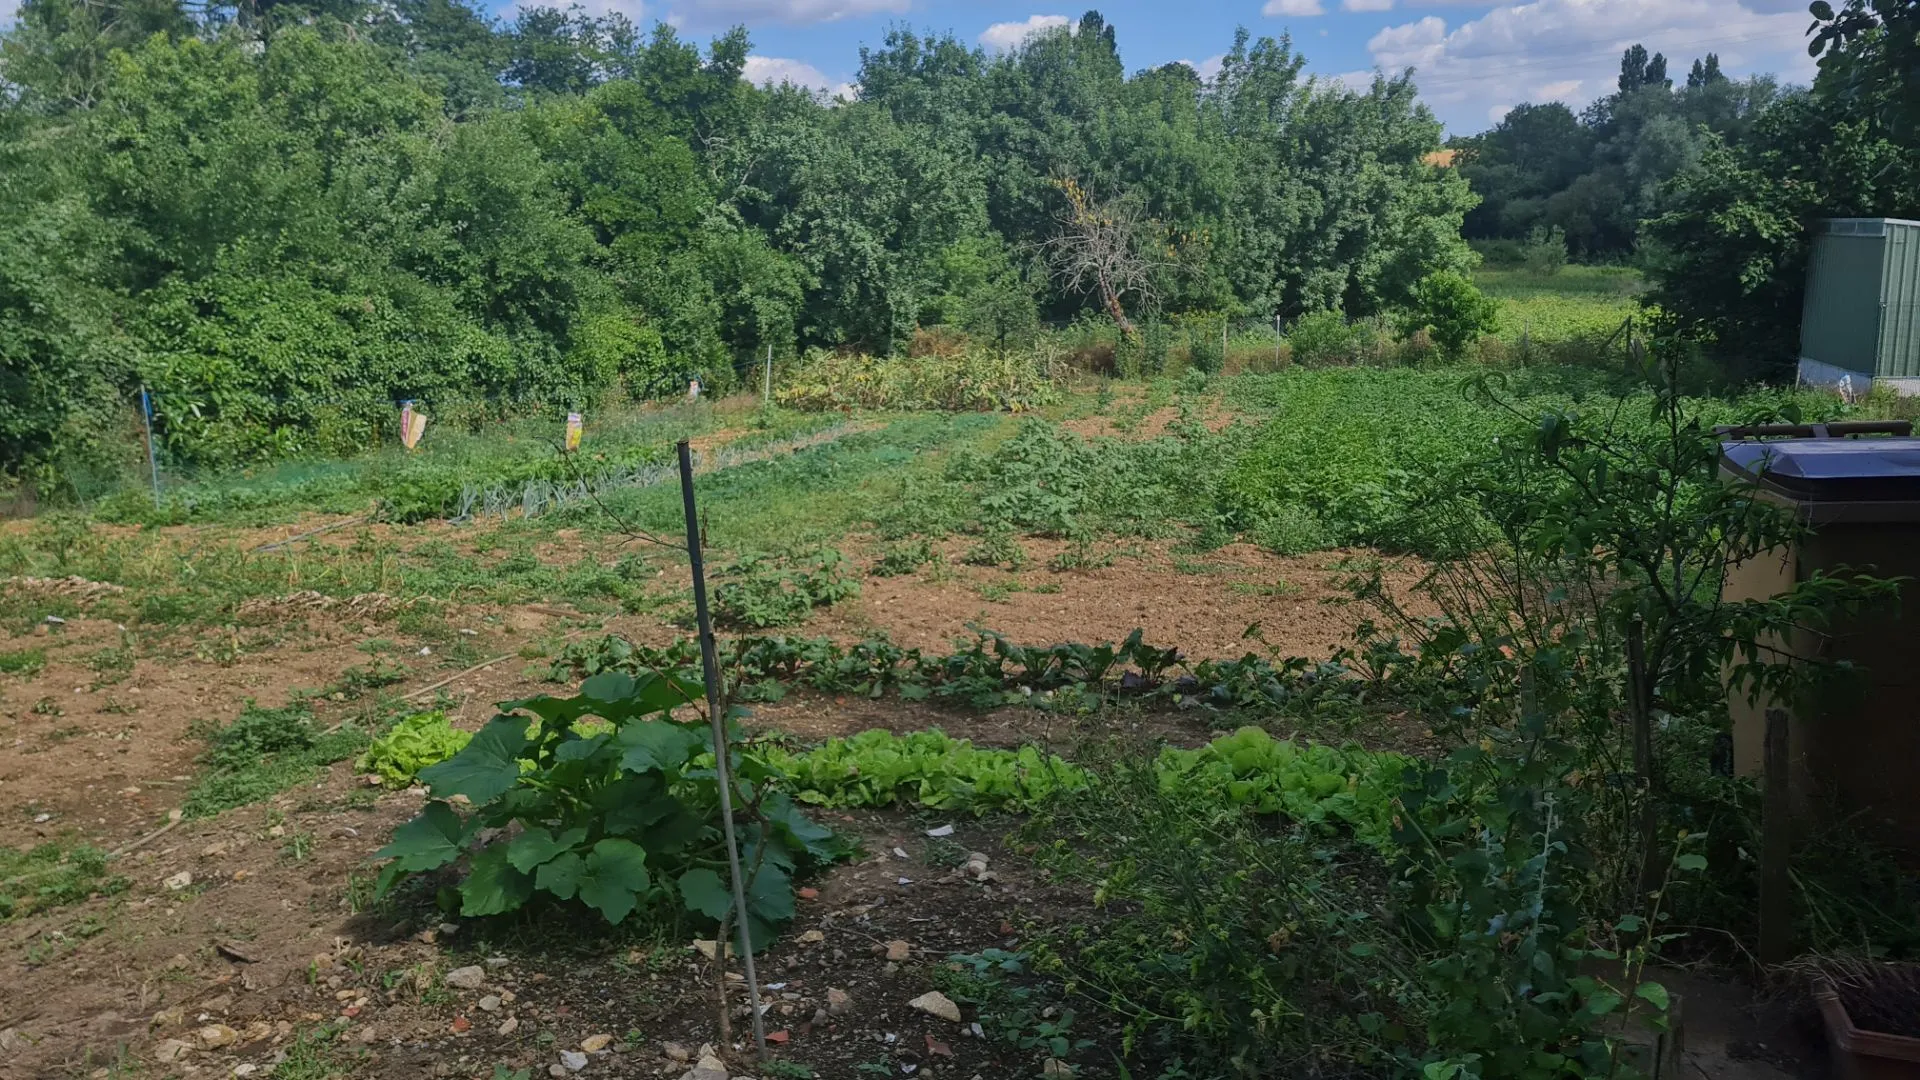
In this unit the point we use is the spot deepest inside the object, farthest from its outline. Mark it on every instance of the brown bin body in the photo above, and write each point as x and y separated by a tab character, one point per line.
1858	748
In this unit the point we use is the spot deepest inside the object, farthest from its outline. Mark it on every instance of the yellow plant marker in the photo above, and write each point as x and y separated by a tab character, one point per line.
413	424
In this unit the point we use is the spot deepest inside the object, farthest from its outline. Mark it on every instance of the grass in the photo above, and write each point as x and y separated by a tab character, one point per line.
1579	302
25	663
51	875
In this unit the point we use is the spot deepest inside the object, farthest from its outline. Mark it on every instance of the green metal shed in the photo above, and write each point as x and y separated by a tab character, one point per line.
1861	323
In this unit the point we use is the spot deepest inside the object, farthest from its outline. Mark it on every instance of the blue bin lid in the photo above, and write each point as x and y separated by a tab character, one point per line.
1817	471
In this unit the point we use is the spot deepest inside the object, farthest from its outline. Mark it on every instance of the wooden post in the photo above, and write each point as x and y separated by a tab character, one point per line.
710	667
1776	845
766	383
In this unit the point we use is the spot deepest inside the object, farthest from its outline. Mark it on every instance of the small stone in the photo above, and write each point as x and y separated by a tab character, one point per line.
215	1036
213	851
277	831
704	1074
556	1071
839	1002
898	950
509	1026
490	1003
676	1052
820	1017
448	929
461	1025
593	1044
1056	1067
709	1062
935	1003
706	948
471	977
168	1051
178	881
813	937
574	1060
245	1069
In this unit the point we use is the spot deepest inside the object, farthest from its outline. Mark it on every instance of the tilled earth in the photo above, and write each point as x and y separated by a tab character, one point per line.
261	966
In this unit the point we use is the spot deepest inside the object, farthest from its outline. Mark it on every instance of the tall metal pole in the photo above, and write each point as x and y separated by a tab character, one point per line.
766	384
710	667
153	460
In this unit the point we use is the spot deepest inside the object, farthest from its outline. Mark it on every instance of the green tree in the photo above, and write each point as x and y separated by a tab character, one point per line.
1452	309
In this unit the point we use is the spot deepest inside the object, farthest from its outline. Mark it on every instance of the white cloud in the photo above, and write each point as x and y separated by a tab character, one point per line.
1007	36
1569	50
632	9
1207	68
727	12
7	8
1497	113
761	70
1366	5
1296	8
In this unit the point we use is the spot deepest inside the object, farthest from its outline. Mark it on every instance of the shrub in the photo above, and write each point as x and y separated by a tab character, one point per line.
1453	310
624	820
974	380
1326	337
1546	251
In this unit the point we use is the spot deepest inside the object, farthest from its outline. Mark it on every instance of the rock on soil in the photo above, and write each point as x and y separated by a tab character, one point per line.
467	978
935	1003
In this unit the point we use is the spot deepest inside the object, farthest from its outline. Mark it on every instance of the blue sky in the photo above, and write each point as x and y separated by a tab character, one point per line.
1472	60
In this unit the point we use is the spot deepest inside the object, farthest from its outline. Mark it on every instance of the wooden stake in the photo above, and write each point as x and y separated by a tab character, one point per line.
710	667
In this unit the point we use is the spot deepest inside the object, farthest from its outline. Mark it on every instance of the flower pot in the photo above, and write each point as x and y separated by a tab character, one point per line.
1864	1055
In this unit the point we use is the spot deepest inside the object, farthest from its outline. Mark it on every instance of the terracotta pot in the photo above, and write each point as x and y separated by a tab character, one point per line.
1864	1055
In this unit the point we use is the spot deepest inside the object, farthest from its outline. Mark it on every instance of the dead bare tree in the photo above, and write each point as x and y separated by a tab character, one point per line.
1103	247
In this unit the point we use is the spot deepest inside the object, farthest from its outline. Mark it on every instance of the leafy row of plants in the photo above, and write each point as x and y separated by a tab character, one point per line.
929	769
992	671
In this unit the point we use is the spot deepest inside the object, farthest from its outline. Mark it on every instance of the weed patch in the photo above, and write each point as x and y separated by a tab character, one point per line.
265	752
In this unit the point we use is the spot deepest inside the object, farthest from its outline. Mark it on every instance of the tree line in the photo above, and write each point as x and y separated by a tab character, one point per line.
283	216
1584	181
1710	184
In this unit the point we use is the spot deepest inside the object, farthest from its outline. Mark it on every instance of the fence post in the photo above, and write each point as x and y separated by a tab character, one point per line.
153	459
766	382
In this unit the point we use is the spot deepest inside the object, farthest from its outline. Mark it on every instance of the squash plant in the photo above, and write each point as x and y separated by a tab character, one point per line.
624	819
